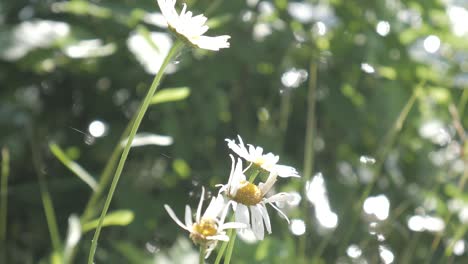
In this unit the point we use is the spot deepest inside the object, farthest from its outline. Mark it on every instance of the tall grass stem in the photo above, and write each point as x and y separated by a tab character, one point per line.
309	150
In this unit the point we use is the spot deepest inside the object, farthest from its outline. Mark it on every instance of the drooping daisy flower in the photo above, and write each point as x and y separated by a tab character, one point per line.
191	28
249	201
265	161
208	228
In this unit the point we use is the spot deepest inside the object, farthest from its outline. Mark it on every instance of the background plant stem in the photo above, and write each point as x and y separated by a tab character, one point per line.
46	199
174	50
3	202
309	150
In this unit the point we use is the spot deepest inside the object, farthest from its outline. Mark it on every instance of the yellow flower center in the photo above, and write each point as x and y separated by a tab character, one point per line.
206	227
249	194
259	161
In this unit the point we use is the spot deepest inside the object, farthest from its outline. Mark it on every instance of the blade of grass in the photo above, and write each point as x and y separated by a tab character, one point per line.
46	201
73	166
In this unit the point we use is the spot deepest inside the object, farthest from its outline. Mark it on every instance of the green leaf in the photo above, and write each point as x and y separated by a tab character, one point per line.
170	95
73	166
118	218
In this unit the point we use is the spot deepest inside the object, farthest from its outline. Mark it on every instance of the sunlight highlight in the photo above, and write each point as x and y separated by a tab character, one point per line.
297	227
383	28
317	195
97	128
379	206
432	44
420	223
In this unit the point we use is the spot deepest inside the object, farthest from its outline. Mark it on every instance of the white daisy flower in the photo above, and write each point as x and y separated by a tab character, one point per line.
265	161
191	28
246	196
208	228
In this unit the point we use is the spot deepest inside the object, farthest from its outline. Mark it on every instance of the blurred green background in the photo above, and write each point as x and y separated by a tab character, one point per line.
386	183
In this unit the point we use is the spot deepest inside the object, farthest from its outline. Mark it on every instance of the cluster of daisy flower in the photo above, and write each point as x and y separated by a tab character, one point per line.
246	198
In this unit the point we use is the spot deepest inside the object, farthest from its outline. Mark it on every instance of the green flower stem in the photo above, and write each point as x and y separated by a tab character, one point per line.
105	178
174	50
254	174
201	258
223	248
230	248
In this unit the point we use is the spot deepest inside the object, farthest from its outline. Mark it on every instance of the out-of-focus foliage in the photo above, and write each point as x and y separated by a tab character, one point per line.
390	104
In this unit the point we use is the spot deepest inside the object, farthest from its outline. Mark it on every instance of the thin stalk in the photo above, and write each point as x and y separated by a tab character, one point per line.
223	248
232	241
174	50
201	258
254	175
46	200
309	149
3	202
106	174
463	100
388	143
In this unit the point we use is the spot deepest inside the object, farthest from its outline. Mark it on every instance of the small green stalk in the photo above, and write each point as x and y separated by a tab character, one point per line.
254	174
230	248
144	107
201	258
223	248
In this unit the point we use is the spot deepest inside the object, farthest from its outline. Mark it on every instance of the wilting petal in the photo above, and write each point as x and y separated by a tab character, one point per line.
200	204
242	214
174	217
218	237
233	225
257	222
280	212
214	208
280	197
286	171
188	216
266	218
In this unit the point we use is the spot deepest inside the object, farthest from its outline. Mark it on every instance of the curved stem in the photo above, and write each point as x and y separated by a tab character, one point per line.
126	150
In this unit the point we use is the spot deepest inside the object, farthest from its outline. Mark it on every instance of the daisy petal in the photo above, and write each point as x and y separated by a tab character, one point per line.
188	216
200	204
174	217
218	237
266	218
257	222
233	225
242	214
